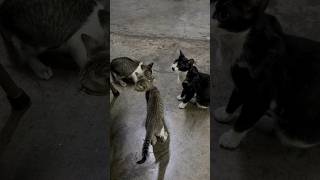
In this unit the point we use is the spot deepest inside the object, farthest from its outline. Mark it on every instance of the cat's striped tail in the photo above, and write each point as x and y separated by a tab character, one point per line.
145	151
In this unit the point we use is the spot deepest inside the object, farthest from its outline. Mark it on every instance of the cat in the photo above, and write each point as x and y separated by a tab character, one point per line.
124	67
196	84
34	26
275	73
156	129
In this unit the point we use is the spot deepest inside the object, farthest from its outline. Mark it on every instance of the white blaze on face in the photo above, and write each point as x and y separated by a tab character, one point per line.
174	67
137	71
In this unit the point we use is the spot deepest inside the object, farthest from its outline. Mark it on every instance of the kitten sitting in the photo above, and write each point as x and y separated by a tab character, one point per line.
196	85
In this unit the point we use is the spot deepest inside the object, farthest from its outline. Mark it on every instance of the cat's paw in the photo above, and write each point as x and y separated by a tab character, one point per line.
42	71
182	105
122	83
201	106
179	98
222	116
231	139
163	135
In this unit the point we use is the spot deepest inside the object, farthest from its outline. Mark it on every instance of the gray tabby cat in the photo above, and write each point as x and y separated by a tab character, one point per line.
124	67
31	27
156	130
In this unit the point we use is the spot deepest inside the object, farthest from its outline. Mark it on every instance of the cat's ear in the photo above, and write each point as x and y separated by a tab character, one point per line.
90	43
181	54
150	65
191	61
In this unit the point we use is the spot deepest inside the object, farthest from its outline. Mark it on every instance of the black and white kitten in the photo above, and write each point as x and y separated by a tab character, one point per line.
196	84
276	73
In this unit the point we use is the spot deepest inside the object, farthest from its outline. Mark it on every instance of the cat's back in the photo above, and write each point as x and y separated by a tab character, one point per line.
45	23
124	66
154	103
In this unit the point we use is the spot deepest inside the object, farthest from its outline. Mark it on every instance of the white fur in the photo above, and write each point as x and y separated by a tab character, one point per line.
94	29
182	105
200	106
180	98
135	72
231	139
221	115
163	134
292	142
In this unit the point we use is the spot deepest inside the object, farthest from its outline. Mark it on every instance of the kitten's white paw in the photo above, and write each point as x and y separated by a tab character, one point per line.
201	106
231	139
221	115
183	105
42	71
163	135
180	98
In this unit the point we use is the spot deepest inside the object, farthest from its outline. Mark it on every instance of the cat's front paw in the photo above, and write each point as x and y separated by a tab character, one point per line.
222	116
43	72
231	139
183	105
179	98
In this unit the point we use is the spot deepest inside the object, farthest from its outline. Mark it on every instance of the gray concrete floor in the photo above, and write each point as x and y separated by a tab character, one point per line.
153	31
62	136
260	156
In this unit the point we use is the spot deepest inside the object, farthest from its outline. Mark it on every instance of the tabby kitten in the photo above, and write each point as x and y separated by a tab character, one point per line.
156	130
124	67
34	26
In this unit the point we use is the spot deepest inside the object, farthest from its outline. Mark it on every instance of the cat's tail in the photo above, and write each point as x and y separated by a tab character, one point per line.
145	151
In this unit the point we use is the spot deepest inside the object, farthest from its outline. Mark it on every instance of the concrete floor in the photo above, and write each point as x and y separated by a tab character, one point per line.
153	31
260	156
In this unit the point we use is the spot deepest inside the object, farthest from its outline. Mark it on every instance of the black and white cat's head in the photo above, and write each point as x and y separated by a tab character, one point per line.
182	64
238	15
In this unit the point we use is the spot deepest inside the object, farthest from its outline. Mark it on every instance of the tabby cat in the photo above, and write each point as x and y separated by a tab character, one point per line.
156	130
34	26
124	67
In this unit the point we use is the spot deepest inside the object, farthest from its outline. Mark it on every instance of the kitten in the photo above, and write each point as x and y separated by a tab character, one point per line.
124	67
181	66
156	130
34	26
196	85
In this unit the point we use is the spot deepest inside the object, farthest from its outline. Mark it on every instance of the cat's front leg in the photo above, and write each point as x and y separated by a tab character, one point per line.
186	100
182	95
226	114
252	110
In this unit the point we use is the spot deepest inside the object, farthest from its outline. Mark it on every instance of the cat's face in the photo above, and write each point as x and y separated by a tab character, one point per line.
182	64
238	15
95	75
145	80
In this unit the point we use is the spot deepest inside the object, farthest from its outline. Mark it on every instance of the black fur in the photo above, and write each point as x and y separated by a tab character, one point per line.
196	83
183	63
273	66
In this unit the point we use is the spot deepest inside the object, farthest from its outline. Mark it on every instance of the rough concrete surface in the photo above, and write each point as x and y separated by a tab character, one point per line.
154	31
260	156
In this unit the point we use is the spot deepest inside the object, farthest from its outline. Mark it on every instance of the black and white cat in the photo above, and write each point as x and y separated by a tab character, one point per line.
34	26
276	73
194	83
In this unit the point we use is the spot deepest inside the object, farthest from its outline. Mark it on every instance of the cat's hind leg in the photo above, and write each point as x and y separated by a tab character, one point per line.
29	54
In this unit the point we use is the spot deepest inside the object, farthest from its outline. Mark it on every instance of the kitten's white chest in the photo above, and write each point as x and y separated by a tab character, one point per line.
181	77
